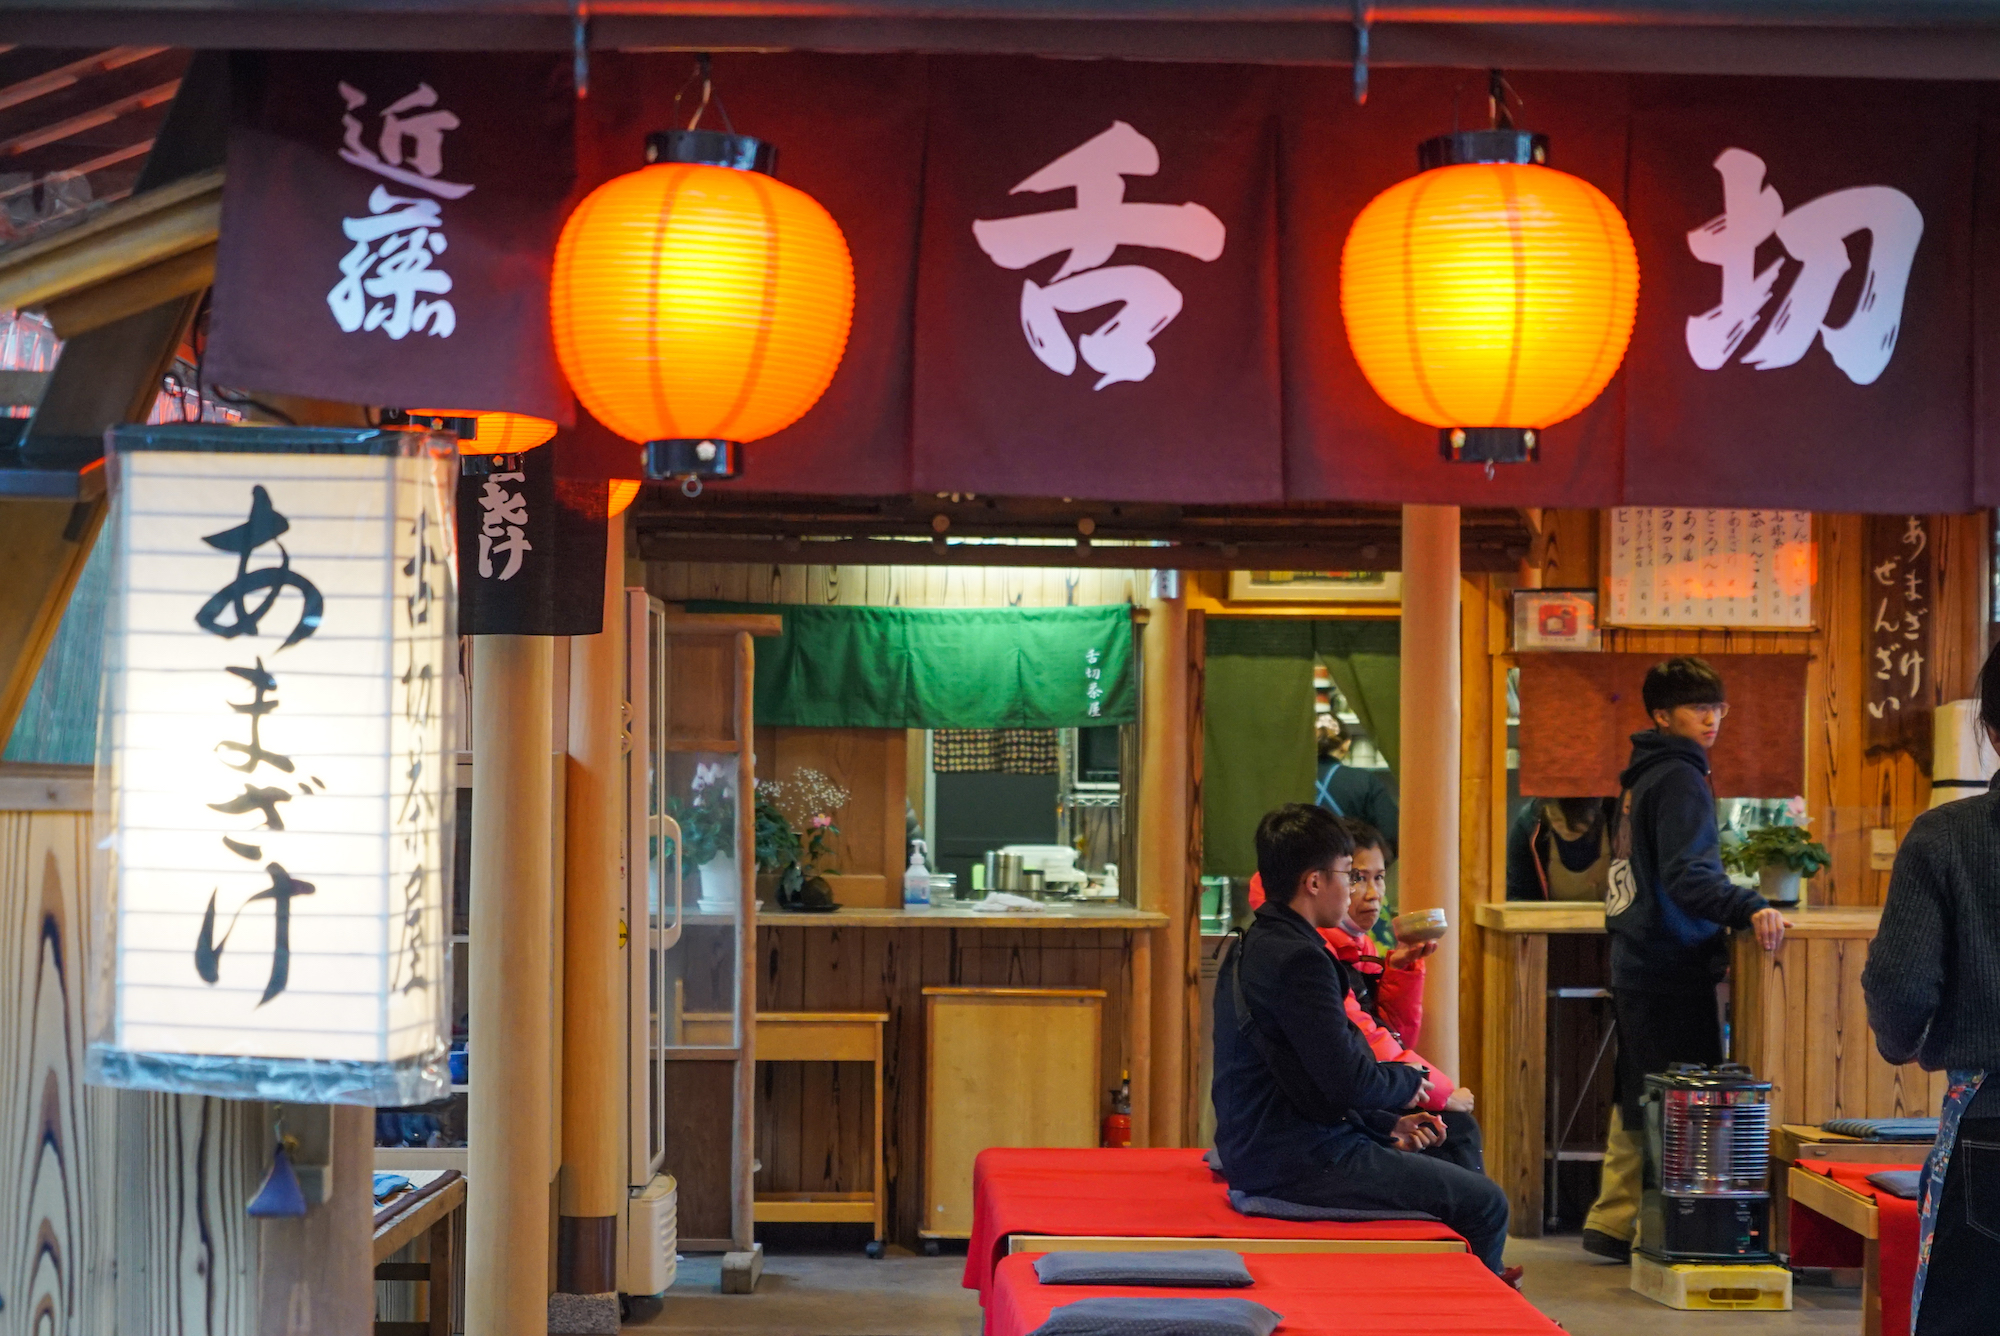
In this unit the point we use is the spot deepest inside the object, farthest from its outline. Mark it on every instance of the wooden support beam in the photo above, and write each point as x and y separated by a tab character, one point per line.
133	234
1299	553
592	1187
507	1211
1428	850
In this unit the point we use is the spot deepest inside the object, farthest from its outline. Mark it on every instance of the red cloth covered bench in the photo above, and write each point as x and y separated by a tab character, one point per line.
1885	1227
1143	1194
1320	1294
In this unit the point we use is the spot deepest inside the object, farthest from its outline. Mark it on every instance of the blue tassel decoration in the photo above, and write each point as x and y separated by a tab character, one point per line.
280	1197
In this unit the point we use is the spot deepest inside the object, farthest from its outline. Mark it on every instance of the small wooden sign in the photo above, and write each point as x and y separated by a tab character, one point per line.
1901	585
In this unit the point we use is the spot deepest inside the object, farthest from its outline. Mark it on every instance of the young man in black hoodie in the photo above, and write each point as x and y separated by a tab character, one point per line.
1669	909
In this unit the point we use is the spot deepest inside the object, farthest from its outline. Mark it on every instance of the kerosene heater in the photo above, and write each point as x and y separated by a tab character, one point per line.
1708	1147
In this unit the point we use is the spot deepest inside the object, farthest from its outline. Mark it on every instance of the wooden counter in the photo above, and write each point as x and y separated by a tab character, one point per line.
963	916
813	1124
1798	1020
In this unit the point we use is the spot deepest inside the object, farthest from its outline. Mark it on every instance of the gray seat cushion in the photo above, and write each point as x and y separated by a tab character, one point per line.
1898	1182
1160	1317
1275	1209
1192	1268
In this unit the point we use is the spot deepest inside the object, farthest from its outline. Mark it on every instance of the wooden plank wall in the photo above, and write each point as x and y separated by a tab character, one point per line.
813	1120
1802	1024
120	1212
897	586
1848	793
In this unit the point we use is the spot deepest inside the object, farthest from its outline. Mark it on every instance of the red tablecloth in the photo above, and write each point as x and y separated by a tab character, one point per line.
1896	1230
1319	1294
1136	1193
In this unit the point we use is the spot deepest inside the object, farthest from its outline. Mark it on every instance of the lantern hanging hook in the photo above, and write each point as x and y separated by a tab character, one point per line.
691	487
704	74
1364	15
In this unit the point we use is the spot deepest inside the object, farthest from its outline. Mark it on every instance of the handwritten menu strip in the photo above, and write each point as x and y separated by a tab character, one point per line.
1902	572
1677	567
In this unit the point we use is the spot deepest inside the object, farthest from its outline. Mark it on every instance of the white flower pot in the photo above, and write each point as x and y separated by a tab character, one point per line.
721	888
1778	884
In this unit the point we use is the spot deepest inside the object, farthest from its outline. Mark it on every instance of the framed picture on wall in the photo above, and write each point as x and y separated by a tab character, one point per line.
1555	619
1316	587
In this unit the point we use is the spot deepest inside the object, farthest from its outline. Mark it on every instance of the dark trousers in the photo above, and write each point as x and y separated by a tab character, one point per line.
1655	1031
1462	1145
1367	1176
1962	1290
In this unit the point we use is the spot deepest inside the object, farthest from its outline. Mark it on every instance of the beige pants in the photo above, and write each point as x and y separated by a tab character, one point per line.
1616	1212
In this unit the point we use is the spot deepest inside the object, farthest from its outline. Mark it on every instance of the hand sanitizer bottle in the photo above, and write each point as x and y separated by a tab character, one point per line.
916	880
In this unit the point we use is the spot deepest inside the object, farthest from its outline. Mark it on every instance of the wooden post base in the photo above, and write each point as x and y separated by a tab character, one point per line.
742	1270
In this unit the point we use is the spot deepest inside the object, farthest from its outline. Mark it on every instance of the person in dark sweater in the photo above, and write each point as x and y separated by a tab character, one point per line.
1933	989
1303	1110
1668	907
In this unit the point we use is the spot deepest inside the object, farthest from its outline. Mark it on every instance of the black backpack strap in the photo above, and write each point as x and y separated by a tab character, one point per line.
1305	1098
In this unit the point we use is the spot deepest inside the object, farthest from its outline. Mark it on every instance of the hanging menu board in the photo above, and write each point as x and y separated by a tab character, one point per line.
1678	567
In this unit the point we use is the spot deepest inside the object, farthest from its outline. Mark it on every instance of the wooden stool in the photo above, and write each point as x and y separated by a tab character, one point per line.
1793	1143
398	1224
828	1036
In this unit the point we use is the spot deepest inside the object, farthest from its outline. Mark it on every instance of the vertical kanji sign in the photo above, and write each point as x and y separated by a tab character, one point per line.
276	746
1899	617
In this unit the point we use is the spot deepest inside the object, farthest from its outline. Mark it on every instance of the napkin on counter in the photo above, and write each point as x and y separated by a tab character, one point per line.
1001	902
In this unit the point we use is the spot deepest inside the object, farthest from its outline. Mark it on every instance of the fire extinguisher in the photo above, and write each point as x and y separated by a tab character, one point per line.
1117	1130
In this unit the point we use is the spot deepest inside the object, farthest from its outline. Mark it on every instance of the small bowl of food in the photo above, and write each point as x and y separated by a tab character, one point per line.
1420	925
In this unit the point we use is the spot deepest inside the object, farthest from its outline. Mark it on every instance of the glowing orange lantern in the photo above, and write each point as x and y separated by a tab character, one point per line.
1489	296
699	303
495	433
623	492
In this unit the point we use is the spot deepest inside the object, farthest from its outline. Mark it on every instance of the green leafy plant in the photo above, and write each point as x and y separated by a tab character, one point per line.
708	830
707	816
777	844
1776	846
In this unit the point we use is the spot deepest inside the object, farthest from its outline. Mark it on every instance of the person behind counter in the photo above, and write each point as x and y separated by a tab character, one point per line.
1933	989
1303	1110
1668	908
1560	849
1352	791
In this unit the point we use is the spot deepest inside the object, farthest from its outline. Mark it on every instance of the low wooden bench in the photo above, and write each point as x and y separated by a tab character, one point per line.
429	1208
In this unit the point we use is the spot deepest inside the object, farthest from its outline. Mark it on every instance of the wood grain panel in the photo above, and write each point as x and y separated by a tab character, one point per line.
1514	1075
886	970
120	1211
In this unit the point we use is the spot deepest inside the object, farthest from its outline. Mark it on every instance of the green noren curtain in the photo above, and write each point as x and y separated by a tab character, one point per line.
1257	748
861	667
1257	735
1365	660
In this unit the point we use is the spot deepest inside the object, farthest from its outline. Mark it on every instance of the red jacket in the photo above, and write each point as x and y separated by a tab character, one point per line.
1392	1030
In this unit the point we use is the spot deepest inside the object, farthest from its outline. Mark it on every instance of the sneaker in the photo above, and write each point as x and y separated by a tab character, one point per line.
1512	1276
1599	1244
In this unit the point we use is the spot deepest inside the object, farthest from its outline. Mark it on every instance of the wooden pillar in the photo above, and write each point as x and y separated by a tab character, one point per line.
317	1275
592	1187
1165	752
1428	850
507	1203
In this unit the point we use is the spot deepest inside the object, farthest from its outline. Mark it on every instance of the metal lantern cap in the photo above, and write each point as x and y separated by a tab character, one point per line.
713	148
708	458
1523	147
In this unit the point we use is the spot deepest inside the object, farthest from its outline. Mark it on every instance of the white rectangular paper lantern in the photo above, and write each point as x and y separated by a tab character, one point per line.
275	756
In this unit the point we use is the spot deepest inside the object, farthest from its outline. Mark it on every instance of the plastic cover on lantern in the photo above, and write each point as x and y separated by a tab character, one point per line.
276	748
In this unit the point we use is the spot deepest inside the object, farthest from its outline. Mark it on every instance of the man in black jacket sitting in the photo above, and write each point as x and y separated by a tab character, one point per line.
1303	1111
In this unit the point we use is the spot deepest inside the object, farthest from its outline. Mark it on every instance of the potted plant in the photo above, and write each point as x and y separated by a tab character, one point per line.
778	849
707	819
1778	856
805	804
